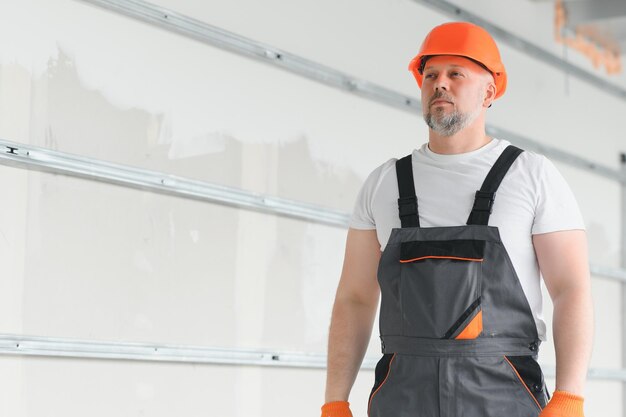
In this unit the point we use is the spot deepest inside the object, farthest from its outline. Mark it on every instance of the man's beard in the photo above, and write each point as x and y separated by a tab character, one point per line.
451	123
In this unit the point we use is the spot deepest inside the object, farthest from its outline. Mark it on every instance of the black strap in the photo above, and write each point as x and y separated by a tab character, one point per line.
407	203
483	201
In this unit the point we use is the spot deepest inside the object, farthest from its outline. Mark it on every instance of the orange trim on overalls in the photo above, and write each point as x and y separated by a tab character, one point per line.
473	328
523	383
381	385
442	257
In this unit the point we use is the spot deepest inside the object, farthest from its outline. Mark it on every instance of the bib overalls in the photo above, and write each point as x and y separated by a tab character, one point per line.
458	335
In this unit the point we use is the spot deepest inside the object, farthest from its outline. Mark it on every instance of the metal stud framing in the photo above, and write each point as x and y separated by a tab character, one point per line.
623	264
30	157
23	345
41	159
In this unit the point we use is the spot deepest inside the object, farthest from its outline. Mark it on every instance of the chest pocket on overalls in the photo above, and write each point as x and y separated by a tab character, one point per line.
440	287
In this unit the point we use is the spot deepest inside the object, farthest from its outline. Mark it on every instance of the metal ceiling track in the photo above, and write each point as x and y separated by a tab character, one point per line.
526	47
214	36
204	32
622	316
24	345
46	160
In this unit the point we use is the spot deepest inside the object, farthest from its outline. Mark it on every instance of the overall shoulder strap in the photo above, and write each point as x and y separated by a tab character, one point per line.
485	197
407	203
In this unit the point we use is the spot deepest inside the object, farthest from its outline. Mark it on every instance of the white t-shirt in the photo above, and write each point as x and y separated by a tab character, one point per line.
533	198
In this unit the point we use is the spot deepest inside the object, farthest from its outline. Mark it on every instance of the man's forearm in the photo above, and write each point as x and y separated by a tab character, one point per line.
349	336
572	328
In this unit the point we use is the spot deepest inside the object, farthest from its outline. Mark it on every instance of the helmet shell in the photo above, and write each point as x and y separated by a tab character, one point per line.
462	39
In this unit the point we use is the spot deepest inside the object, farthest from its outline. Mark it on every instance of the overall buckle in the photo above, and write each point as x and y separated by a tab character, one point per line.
483	201
407	206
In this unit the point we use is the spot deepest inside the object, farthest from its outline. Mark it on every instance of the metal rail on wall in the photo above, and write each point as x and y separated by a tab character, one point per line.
23	345
42	159
623	289
212	35
37	158
204	32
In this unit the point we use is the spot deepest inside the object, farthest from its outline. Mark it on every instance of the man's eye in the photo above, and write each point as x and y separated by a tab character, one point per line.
428	75
456	73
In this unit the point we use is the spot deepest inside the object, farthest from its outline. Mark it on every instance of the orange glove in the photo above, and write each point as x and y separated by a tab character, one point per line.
563	404
336	409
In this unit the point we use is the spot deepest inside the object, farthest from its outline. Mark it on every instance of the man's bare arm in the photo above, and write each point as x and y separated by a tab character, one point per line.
563	260
354	309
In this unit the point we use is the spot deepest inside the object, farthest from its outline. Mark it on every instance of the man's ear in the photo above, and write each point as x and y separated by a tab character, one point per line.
490	94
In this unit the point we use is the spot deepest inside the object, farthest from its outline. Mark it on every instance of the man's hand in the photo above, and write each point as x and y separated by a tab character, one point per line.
563	404
336	409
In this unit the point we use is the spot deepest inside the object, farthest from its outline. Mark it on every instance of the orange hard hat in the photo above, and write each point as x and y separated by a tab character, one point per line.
463	39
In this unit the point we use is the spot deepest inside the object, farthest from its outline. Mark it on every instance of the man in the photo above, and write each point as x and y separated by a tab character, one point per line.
460	316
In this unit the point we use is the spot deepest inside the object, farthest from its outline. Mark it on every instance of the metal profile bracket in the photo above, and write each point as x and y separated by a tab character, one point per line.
24	345
212	35
13	344
622	316
31	157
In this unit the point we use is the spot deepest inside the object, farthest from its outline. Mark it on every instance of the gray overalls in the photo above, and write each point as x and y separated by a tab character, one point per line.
458	336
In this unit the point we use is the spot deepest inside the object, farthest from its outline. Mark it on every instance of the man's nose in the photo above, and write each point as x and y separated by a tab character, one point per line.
441	83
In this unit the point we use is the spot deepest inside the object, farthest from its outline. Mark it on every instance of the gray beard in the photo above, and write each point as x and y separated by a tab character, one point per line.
451	123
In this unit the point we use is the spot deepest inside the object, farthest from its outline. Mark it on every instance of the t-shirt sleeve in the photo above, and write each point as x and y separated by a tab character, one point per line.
556	207
362	216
